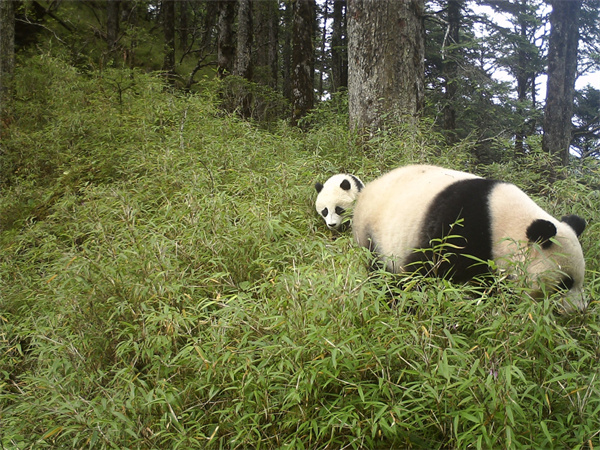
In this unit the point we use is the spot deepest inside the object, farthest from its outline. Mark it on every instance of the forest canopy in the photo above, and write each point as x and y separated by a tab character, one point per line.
486	63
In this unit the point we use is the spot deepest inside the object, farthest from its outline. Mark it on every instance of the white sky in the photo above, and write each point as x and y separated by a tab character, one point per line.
592	79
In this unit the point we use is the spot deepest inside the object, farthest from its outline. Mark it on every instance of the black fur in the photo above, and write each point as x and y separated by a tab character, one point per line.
318	187
357	182
345	185
460	210
541	231
577	223
566	283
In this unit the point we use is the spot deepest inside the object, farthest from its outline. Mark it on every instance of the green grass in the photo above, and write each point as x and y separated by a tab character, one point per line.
166	283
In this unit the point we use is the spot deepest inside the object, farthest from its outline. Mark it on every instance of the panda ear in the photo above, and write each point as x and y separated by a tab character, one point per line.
318	187
541	231
358	183
345	185
577	223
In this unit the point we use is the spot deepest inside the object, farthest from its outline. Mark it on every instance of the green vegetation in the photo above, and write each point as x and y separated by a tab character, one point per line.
166	283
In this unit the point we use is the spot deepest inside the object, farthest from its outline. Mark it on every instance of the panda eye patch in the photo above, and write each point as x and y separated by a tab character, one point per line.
566	283
339	210
324	212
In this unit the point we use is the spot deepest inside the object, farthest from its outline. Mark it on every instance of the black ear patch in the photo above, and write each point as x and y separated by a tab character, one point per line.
358	183
318	187
345	185
577	223
541	231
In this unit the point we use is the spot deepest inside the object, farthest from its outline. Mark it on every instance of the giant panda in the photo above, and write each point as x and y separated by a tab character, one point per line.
409	210
336	196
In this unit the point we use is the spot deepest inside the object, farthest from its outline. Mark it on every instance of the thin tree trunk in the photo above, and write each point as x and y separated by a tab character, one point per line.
243	67
183	23
302	58
524	75
339	55
562	72
265	31
322	51
286	51
168	13
112	26
7	49
225	45
451	67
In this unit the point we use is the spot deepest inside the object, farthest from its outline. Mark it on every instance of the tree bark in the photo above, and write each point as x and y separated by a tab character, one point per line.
339	54
286	51
225	45
450	68
243	66
112	26
386	71
303	58
322	58
562	72
266	32
168	13
182	18
7	49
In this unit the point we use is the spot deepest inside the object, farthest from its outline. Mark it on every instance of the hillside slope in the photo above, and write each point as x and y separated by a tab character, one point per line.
165	282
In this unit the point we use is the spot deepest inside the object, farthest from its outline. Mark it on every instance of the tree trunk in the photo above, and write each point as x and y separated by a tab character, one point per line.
522	76
243	66
562	72
303	58
450	68
112	27
225	45
286	51
322	51
525	75
168	13
7	49
386	71
339	54
266	32
182	17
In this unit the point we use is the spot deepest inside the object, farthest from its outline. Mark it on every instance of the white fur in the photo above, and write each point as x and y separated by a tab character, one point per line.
331	197
392	208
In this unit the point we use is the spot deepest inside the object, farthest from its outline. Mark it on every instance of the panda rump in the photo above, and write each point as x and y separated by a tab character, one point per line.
404	213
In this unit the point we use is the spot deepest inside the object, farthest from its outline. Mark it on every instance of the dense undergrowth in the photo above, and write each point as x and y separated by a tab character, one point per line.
166	283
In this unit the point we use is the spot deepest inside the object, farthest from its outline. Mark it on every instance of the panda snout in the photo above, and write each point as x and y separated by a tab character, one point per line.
575	302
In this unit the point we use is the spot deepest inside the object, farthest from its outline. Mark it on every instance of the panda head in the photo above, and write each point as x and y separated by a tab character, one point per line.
336	196
557	260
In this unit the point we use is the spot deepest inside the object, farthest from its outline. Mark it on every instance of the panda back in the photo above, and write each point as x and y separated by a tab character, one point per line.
390	214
